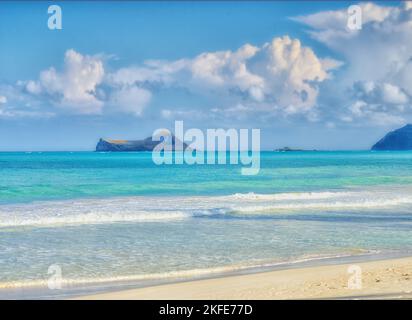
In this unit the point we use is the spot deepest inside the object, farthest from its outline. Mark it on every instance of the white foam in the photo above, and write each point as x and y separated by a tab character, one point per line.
91	218
179	274
337	205
290	196
141	209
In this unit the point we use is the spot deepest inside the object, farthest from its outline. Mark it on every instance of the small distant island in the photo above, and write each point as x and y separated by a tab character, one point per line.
397	140
288	149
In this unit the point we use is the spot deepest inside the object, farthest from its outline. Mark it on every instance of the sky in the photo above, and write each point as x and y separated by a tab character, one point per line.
121	70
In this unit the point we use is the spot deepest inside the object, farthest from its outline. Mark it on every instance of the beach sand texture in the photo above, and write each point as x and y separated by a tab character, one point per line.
379	280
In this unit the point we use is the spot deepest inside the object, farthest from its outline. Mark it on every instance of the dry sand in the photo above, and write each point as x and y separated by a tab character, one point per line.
379	280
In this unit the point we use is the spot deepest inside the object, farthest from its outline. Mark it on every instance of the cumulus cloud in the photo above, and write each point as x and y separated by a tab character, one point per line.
378	73
14	104
282	73
279	77
152	72
379	103
83	86
380	93
226	69
131	99
291	73
374	113
33	87
330	26
73	88
10	112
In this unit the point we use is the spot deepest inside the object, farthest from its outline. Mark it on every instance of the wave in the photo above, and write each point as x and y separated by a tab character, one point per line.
93	218
338	205
290	196
185	274
141	209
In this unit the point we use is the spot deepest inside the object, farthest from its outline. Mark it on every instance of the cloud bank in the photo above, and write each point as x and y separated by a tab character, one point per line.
279	76
368	70
378	77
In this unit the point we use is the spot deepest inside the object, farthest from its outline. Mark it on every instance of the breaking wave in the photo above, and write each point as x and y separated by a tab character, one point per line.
157	209
186	274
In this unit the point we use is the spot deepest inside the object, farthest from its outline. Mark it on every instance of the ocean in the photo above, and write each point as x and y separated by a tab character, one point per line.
111	220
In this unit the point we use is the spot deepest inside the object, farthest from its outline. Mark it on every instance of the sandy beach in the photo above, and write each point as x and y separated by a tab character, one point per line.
379	280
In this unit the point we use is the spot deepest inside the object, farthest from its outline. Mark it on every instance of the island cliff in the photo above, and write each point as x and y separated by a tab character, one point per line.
400	139
105	145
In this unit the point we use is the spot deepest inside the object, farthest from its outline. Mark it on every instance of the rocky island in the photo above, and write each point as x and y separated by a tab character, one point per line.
397	140
107	145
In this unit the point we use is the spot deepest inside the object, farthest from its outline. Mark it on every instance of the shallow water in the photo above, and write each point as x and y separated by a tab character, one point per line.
105	218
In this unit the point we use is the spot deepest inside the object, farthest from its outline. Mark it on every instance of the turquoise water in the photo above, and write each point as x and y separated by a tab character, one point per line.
113	217
47	176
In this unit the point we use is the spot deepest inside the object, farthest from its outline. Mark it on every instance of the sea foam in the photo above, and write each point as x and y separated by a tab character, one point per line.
142	209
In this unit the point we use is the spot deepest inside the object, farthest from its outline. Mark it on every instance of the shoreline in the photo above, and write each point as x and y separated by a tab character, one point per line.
74	288
83	287
104	289
389	278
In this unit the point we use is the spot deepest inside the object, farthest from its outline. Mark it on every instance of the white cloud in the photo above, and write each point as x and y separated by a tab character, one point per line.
226	68
330	26
380	93
370	113
378	58
393	94
381	48
33	87
281	76
15	105
386	119
10	112
74	88
131	99
281	73
82	87
291	73
152	71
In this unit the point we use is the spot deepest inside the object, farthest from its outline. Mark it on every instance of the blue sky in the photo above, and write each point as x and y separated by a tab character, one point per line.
122	70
